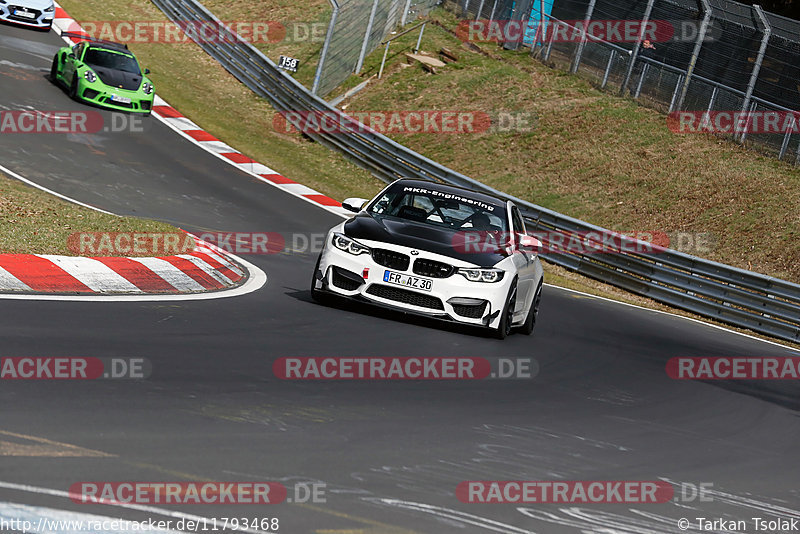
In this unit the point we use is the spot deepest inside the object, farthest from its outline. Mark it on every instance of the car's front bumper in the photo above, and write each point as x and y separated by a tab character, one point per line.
99	94
41	19
452	298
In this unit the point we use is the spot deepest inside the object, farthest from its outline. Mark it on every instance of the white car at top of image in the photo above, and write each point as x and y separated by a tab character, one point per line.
32	13
435	250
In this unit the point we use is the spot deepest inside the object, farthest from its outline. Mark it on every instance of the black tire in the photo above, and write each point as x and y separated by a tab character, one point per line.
317	295
54	70
507	315
73	88
530	320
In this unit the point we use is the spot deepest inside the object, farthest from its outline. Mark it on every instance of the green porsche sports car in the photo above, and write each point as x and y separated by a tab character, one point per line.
104	73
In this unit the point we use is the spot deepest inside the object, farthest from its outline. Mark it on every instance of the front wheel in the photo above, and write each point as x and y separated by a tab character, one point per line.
54	70
73	88
530	320
507	315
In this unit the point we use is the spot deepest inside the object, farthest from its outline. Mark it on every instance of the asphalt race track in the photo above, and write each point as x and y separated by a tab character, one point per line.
390	453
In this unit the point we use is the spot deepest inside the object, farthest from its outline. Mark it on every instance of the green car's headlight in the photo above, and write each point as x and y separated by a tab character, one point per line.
147	88
90	76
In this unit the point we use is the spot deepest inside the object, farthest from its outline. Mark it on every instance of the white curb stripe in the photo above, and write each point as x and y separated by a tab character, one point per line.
171	274
94	274
209	270
7	280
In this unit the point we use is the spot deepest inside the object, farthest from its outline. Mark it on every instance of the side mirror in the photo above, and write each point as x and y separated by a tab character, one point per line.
354	204
529	243
147	71
71	55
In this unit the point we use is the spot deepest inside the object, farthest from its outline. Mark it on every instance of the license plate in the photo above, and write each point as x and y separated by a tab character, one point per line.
25	14
407	281
121	99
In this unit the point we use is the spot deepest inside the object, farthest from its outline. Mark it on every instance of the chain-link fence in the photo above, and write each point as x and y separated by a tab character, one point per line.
736	66
356	28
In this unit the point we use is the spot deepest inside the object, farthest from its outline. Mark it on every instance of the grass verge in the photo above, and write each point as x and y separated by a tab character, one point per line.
35	222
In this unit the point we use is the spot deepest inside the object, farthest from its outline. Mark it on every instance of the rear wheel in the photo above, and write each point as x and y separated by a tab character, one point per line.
507	315
530	320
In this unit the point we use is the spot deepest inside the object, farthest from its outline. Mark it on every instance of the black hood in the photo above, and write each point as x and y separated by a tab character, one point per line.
418	236
118	78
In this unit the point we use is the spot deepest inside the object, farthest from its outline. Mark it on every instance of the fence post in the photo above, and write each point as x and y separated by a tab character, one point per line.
579	52
638	91
324	54
675	93
696	52
419	39
404	18
366	37
494	8
611	57
464	12
757	66
480	10
635	53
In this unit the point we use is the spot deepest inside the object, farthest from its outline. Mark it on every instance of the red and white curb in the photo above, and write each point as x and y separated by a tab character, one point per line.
204	269
191	131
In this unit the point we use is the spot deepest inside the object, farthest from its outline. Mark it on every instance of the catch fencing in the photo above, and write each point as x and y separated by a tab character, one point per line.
355	29
735	296
711	56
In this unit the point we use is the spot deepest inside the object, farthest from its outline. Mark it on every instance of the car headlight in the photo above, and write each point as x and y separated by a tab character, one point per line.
47	9
482	275
147	88
90	76
342	242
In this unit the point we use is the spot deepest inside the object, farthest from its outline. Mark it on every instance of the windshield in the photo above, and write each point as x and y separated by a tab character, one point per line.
111	60
438	208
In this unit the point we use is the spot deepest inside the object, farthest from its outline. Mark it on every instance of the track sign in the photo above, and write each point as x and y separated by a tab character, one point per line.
288	63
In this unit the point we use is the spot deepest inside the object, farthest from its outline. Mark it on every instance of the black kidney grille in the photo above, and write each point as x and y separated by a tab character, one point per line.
390	259
406	297
433	269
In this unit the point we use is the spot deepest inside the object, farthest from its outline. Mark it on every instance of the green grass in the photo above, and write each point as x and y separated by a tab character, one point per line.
34	222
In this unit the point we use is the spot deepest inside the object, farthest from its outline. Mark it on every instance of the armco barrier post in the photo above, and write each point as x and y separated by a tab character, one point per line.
636	47
325	46
579	52
751	85
695	53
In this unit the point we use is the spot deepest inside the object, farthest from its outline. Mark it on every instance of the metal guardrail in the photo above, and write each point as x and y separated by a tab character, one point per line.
742	298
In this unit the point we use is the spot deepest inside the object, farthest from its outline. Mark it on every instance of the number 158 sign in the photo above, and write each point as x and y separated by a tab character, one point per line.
288	63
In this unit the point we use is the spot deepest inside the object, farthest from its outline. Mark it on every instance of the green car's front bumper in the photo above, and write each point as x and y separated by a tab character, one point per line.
100	94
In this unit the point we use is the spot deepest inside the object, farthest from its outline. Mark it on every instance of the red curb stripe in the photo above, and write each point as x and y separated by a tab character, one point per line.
200	135
40	274
194	272
138	275
236	157
167	111
323	199
217	266
277	179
